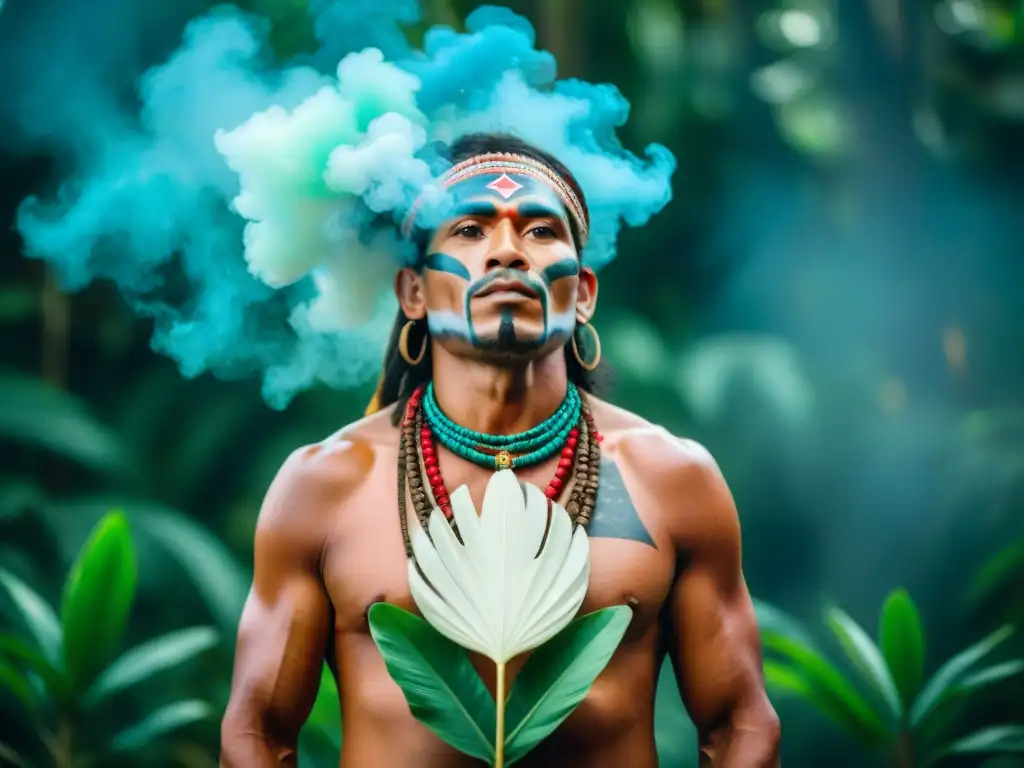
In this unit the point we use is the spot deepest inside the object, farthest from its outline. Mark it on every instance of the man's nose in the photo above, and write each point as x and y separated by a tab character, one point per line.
506	251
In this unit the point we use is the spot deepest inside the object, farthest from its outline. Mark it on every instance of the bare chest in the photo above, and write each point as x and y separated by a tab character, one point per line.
632	562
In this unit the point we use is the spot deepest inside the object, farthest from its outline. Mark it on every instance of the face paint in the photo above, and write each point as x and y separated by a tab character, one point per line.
442	262
487	197
446	323
560	269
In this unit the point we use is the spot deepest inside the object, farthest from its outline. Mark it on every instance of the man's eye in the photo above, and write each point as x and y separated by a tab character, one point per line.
543	232
469	230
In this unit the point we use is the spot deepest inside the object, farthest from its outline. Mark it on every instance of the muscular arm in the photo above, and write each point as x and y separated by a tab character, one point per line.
285	624
715	648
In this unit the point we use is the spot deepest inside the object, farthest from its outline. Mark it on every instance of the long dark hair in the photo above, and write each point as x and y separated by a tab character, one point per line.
398	378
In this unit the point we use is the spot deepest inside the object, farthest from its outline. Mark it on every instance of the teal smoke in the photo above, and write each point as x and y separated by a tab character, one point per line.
228	196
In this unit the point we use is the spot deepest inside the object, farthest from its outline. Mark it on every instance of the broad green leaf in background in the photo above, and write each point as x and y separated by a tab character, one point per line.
444	691
152	657
806	672
161	722
866	658
773	619
36	414
782	679
901	636
990	675
98	597
40	620
944	681
557	676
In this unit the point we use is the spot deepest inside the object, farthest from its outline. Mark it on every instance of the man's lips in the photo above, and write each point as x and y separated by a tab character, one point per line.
507	286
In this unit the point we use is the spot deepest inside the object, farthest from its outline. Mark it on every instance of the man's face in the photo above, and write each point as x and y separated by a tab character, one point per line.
502	276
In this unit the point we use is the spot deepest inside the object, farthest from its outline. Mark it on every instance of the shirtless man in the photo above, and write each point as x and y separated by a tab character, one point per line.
494	308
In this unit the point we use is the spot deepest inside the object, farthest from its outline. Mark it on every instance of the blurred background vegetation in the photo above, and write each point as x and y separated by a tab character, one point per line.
833	308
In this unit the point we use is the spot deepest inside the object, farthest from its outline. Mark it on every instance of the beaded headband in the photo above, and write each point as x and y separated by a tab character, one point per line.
508	165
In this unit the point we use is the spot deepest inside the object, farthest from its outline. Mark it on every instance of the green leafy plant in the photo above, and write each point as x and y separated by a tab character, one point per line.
903	715
70	665
447	695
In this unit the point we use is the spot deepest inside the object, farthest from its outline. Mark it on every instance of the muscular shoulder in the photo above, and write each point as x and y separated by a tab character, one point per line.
676	475
314	482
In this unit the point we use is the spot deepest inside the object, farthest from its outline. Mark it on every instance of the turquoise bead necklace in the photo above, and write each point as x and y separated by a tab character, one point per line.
523	449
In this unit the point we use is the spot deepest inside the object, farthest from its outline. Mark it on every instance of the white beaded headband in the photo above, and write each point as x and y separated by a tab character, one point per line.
504	185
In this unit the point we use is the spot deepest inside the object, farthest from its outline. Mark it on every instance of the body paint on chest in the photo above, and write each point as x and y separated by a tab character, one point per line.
614	515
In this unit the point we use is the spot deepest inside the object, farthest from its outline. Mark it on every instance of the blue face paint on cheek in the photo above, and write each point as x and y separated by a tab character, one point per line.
446	323
442	262
560	269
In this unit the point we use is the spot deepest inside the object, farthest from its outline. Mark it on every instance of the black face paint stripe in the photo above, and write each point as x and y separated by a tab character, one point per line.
560	269
442	262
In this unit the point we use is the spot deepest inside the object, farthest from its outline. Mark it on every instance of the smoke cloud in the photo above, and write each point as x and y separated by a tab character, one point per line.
230	197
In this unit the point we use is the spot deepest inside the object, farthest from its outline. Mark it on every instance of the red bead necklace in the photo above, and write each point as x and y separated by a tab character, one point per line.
428	449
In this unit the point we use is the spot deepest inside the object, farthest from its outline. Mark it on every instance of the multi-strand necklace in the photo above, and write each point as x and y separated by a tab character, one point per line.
569	430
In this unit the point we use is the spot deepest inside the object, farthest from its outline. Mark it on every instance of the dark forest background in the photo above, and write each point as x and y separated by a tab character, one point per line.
831	303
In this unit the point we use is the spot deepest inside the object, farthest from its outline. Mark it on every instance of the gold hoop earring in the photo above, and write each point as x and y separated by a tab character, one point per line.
403	345
587	366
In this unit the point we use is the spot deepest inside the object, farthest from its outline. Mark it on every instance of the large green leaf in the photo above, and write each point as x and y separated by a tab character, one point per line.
866	658
557	676
40	620
901	636
818	682
98	597
161	722
152	657
944	681
444	691
34	413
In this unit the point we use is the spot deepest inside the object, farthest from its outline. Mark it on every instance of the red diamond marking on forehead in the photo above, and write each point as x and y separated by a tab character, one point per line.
505	186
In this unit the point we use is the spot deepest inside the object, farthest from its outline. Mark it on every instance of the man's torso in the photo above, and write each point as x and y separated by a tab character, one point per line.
633	562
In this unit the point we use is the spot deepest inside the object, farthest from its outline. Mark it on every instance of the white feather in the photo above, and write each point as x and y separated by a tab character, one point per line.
494	593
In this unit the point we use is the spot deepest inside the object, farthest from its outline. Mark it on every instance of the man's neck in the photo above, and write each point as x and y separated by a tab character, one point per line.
498	400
